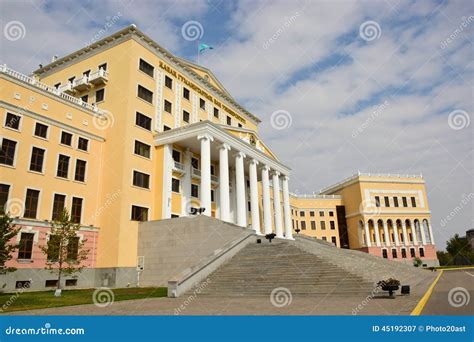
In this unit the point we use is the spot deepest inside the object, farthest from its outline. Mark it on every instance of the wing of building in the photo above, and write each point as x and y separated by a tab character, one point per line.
121	131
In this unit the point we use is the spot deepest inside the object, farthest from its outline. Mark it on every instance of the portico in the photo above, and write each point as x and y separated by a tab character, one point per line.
230	174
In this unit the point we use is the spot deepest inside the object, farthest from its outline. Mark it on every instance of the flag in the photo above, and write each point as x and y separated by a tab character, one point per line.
203	47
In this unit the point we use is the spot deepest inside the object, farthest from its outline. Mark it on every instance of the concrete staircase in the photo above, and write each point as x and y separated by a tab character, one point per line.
260	268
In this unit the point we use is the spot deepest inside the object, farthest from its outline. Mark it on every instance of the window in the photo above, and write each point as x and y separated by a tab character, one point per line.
216	112
412	252
103	66
37	159
384	253
202	104
12	121
413	202
99	95
332	224
174	216
71	80
176	156
22	284
57	85
213	199
333	239
331	213
63	166
321	213
141	179
195	190
147	68
239	125
7	154
145	94
168	82
25	248
302	213
387	202
53	248
83	144
59	203
186	93
168	106
142	149
80	174
422	252
313	225
31	203
143	121
166	128
41	130
404	200
51	283
66	138
86	73
185	116
85	98
404	253
394	253
4	190
76	210
325	238
311	213
377	201
139	213
323	225
303	225
72	248
71	282
395	201
213	172
175	185
229	120
195	163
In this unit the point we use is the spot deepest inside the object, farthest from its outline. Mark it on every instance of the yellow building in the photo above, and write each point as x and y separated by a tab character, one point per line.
122	131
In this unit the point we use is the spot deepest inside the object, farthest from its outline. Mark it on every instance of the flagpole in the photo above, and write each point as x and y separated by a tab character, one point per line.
198	44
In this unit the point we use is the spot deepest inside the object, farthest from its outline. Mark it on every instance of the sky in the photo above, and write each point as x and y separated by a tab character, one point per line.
340	86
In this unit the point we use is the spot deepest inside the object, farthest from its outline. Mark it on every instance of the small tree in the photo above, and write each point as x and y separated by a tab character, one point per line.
8	231
460	250
417	262
64	250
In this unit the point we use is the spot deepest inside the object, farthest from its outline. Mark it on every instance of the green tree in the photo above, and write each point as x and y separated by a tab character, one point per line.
65	252
8	232
460	250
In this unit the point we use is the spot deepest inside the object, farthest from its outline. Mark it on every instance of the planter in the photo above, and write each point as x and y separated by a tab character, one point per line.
390	289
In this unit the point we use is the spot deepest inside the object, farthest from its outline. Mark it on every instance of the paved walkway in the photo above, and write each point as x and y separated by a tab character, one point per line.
453	294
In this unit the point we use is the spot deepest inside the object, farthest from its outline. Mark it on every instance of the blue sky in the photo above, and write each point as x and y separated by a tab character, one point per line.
314	62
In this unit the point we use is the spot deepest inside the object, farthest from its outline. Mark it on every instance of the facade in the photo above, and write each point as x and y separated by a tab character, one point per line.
121	132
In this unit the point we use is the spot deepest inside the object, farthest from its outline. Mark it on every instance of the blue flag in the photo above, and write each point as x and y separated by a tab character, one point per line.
203	47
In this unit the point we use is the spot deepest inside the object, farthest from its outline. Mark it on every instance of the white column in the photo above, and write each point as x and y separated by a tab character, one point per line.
377	233
428	223
422	231
267	218
413	232
224	196
205	191
395	234
186	186
286	209
277	204
367	235
240	187
385	232
404	233
167	172
254	196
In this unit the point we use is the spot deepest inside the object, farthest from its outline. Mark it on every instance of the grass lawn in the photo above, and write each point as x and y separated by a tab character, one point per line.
45	299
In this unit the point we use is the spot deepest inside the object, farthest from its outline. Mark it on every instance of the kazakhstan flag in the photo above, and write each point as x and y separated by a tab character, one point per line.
203	47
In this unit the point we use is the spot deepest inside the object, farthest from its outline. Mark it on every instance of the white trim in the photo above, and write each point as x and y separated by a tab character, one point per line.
160	79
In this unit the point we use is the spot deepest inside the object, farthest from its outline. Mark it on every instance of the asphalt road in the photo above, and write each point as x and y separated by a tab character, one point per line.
453	294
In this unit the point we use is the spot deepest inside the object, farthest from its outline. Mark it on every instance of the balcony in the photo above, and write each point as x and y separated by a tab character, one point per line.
178	167
99	77
81	84
67	88
196	173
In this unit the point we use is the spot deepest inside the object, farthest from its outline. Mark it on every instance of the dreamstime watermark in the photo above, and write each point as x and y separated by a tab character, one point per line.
281	119
15	296
367	299
14	207
459	119
370	30
110	199
46	330
465	200
280	297
109	23
377	110
103	297
192	30
458	296
288	21
14	30
103	121
369	208
197	290
465	22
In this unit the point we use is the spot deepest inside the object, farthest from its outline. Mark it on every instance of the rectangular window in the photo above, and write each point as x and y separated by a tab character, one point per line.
303	225
395	202
167	106
213	199
175	183
71	282
7	154
76	210
142	149
202	104
25	248
311	213
384	253
321	213
83	144
216	112
394	253
387	202
31	203
80	174
195	163
139	213
4	191
147	68
143	121
213	172
413	202
332	224
53	248
141	179
51	283
302	213
59	203
377	201
404	201
229	120
72	248
63	166
99	95
176	156
145	94
422	252
195	190
66	138
37	159
331	213
185	116
41	130
333	239
324	238
412	252
404	253
313	225
12	121
323	225
168	82
186	94
239	125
